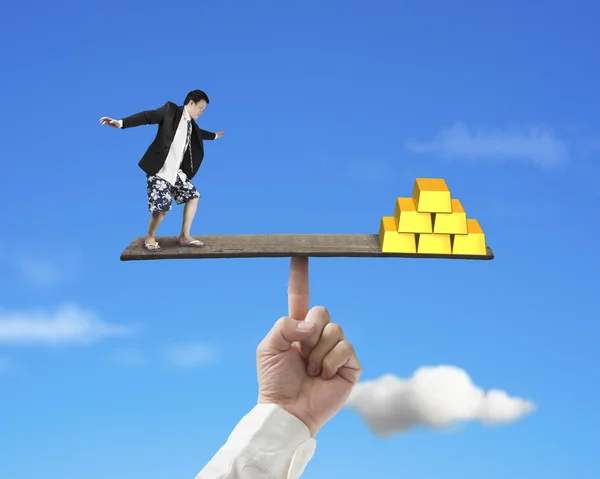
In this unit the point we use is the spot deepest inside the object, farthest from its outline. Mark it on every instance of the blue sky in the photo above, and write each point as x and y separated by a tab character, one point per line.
331	110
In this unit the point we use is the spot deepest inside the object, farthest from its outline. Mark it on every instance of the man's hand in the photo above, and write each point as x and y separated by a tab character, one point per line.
304	364
219	134
109	121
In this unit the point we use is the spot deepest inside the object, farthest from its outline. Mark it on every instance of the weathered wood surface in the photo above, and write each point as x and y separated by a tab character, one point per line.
275	246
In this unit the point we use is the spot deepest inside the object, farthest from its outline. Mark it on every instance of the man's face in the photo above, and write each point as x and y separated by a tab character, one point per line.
196	109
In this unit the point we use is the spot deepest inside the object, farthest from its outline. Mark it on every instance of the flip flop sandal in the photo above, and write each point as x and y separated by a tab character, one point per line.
151	247
193	244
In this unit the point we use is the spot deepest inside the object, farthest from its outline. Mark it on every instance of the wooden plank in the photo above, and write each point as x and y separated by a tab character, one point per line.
275	246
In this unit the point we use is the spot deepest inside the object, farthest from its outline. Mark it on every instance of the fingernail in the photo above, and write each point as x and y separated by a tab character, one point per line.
304	326
312	369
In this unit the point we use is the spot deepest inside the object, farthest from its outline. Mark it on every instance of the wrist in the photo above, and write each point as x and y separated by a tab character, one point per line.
292	409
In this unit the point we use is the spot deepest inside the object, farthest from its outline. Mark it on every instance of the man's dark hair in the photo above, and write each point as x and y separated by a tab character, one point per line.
196	96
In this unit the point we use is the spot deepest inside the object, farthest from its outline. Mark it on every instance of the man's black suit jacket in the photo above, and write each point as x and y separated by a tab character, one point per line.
167	118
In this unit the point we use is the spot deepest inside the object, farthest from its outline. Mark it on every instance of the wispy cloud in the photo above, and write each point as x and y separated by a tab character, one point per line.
190	355
70	324
534	144
434	397
46	270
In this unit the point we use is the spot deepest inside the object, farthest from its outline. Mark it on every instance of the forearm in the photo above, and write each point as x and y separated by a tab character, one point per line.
207	135
148	117
268	443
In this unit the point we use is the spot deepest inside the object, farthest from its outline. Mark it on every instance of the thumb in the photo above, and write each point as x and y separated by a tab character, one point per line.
285	332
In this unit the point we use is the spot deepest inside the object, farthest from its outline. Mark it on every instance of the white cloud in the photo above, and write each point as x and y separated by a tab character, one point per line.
190	355
434	397
69	324
535	144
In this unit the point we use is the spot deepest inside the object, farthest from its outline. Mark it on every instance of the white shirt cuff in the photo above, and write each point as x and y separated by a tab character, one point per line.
271	438
120	123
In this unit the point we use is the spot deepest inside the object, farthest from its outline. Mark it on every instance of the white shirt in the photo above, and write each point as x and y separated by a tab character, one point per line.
172	166
268	443
174	159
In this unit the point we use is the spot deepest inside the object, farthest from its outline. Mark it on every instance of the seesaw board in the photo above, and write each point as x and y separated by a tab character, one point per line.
277	246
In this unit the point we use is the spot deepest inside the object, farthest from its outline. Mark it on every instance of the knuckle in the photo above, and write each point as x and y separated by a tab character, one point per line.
278	326
321	310
319	315
335	330
347	347
281	322
327	365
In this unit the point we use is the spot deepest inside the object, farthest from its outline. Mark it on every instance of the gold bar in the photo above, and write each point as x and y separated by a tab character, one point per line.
434	244
454	223
393	242
409	220
431	195
473	243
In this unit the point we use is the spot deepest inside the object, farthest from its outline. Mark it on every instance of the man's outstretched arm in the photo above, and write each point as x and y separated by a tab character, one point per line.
208	135
268	443
148	117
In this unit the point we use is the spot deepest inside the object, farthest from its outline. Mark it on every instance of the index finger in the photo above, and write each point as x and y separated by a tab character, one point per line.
298	293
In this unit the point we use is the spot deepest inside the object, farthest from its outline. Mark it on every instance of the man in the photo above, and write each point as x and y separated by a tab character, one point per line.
306	372
171	161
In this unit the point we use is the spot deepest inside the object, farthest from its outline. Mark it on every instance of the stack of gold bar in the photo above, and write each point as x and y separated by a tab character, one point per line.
431	222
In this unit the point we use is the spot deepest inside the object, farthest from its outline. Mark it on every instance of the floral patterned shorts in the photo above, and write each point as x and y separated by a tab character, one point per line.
161	193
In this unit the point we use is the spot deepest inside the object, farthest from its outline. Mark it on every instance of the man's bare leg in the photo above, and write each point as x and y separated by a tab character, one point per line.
189	212
155	219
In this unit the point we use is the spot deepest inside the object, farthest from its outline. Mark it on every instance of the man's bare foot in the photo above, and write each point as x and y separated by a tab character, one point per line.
151	244
190	241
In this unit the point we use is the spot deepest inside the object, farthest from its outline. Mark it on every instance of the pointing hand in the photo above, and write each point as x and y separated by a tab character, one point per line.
304	364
